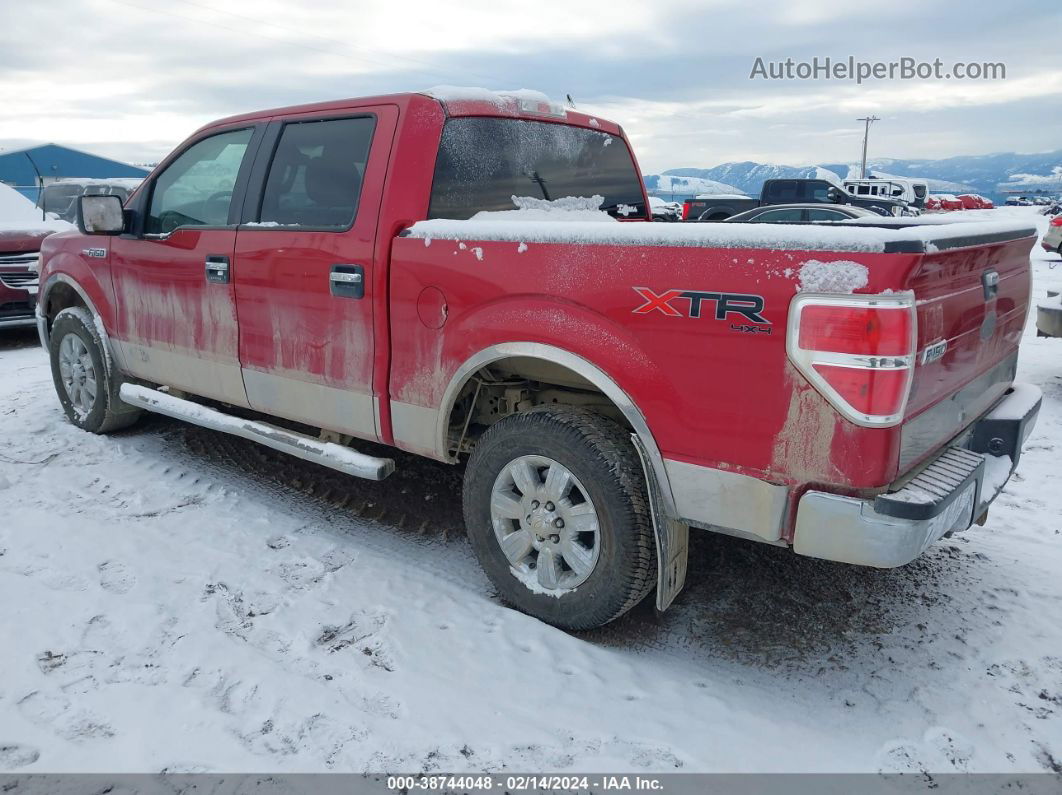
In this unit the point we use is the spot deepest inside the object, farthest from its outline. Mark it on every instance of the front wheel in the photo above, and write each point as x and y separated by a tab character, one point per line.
85	381
558	517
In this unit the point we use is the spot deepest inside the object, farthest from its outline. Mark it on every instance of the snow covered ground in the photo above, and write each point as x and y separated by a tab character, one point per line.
178	600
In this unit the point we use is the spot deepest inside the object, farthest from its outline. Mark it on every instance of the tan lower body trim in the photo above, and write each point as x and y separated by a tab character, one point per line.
708	496
319	405
183	370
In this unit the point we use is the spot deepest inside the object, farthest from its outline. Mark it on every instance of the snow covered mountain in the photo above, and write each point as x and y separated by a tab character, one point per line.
989	175
671	186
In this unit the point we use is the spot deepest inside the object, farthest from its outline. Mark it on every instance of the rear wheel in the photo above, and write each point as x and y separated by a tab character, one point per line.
558	517
84	378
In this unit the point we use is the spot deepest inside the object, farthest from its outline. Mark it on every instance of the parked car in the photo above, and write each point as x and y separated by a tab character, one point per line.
787	191
665	210
1052	239
343	275
20	245
949	201
801	214
933	204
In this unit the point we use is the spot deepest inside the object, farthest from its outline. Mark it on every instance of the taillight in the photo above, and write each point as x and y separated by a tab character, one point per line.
1056	221
858	351
685	211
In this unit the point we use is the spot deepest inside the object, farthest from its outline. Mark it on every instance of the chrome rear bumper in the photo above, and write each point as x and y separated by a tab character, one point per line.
950	493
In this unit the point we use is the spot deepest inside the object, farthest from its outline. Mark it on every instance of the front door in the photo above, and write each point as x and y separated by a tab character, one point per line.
176	307
304	268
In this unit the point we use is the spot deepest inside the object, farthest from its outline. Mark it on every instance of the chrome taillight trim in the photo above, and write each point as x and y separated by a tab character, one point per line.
804	359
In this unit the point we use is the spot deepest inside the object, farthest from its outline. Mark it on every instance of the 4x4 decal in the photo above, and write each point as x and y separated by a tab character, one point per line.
748	306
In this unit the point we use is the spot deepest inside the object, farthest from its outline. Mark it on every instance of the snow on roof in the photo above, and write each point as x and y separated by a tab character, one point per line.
19	214
766	236
14	207
522	97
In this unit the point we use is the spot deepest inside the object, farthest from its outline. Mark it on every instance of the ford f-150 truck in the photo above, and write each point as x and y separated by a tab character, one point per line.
472	277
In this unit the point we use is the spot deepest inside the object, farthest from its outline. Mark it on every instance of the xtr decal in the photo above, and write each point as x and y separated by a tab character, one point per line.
748	306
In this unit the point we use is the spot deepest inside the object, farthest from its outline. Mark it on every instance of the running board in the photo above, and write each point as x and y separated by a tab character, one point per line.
327	454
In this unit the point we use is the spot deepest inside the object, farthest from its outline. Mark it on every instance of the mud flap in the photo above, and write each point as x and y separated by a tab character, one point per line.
672	538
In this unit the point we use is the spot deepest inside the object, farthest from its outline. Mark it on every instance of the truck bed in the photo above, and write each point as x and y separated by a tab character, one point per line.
731	400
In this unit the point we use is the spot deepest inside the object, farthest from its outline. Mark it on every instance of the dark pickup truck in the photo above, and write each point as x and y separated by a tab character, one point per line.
784	191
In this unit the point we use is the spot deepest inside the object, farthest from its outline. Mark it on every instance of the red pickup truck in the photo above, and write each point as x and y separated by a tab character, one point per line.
472	277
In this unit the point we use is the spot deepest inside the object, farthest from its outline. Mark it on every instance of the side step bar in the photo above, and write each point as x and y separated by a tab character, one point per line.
327	454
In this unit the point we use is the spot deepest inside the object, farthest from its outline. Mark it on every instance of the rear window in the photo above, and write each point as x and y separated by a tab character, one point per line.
484	162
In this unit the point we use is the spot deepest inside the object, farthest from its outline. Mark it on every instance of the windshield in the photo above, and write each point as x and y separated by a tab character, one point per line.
484	162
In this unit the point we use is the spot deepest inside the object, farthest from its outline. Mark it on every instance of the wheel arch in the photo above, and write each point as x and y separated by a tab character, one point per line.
580	366
59	292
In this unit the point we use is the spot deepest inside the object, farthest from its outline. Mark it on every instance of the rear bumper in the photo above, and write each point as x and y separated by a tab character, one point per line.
949	494
1049	317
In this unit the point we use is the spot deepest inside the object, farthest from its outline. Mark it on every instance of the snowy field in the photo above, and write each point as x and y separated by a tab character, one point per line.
178	600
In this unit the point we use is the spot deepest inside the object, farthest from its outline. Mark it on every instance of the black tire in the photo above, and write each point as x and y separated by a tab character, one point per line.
601	456
108	412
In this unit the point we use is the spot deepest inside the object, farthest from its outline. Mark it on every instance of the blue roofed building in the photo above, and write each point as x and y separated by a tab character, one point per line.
24	169
53	176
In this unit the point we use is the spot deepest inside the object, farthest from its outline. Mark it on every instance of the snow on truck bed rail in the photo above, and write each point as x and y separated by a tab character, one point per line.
584	226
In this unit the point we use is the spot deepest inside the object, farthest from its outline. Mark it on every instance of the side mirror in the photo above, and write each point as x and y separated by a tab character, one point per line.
100	215
834	195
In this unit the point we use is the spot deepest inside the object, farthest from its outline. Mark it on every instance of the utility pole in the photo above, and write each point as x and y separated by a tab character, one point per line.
866	134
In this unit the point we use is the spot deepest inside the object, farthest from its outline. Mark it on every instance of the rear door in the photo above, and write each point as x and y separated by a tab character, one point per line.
176	309
304	264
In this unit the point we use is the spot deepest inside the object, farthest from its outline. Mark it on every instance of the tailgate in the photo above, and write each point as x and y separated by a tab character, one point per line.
972	301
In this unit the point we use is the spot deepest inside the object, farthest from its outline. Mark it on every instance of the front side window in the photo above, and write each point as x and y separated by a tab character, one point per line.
196	188
316	174
820	192
484	162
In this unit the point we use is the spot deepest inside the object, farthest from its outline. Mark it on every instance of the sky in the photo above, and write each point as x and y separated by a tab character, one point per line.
132	78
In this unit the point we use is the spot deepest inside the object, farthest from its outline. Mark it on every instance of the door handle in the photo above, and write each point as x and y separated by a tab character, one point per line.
217	269
347	281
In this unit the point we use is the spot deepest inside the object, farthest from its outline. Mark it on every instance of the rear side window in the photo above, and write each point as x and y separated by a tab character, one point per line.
783	190
316	174
788	216
815	214
484	162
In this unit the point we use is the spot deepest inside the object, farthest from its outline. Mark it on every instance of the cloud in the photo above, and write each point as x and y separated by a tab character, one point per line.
131	78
